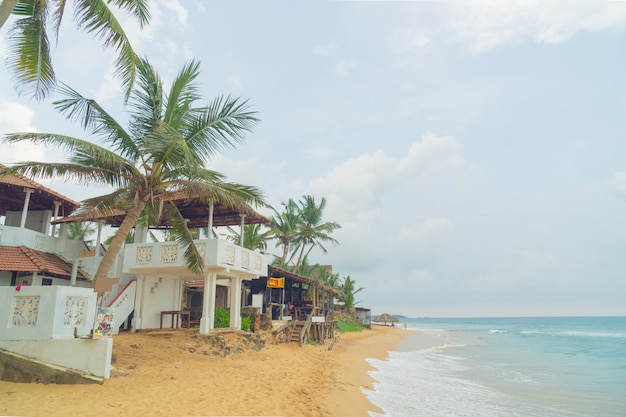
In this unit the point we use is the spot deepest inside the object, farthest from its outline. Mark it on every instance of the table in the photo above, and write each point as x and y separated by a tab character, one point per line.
179	315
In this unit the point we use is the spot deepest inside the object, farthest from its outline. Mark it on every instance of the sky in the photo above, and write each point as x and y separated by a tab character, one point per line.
473	152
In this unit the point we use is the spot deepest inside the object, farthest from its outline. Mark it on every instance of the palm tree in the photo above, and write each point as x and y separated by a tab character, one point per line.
163	151
80	231
29	45
284	228
253	237
328	278
348	291
311	231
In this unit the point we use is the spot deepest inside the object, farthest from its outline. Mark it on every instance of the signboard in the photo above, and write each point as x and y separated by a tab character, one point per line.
104	322
276	282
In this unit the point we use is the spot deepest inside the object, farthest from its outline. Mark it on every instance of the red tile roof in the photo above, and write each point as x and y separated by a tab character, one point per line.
23	259
12	195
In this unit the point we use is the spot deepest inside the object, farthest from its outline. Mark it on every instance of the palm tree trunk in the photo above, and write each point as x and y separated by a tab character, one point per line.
118	239
6	7
301	253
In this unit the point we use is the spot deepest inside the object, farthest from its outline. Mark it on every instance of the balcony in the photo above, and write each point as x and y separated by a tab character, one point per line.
18	236
219	255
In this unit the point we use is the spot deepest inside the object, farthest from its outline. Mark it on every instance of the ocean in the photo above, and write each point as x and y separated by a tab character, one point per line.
505	367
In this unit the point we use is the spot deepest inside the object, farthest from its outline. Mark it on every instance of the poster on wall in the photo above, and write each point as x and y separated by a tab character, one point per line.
104	322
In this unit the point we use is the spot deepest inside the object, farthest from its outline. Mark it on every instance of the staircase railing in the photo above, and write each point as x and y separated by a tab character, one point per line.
124	304
305	329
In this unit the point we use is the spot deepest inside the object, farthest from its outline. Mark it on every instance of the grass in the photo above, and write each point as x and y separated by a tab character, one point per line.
348	326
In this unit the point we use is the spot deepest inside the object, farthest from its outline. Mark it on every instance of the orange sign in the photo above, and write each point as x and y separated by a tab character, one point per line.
276	282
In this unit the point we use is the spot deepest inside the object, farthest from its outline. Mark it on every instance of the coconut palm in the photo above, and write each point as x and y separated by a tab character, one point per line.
80	231
328	278
253	236
348	292
29	45
163	151
311	231
284	228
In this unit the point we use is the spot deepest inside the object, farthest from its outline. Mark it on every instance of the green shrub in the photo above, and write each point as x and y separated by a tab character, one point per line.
222	318
245	323
349	326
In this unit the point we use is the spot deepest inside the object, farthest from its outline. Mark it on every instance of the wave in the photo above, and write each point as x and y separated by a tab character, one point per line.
497	331
574	333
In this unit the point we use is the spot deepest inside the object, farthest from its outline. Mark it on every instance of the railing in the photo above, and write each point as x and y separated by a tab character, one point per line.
305	330
18	236
215	252
124	304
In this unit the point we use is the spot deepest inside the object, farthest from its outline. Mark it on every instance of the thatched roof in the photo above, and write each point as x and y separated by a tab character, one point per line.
386	318
273	271
12	195
192	209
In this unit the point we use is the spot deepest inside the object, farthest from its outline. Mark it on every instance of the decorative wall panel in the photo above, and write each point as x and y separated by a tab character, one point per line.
75	311
144	255
230	255
25	311
169	253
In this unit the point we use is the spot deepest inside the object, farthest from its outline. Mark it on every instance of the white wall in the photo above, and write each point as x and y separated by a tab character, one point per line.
46	312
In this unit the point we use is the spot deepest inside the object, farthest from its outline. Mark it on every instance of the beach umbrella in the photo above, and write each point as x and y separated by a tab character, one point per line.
385	318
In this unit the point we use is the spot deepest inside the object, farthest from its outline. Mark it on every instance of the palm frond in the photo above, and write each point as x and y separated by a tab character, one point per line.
219	126
146	100
95	120
29	53
182	235
183	93
96	17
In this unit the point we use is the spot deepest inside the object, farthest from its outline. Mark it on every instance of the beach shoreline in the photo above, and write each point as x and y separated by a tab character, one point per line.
175	374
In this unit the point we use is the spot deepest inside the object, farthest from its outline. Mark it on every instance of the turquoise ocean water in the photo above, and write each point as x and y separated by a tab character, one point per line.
505	367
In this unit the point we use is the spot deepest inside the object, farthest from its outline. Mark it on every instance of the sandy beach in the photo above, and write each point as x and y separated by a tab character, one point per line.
176	374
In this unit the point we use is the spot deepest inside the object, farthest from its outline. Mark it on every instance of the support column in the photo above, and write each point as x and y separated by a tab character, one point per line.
141	233
207	322
28	192
235	303
135	324
60	243
98	238
243	219
53	227
210	226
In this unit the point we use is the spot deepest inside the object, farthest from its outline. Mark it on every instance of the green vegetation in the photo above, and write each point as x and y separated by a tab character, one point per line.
30	57
222	318
246	321
348	326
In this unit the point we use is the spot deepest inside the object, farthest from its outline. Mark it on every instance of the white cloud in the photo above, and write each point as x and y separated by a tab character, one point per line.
110	87
488	23
178	9
406	41
360	184
343	68
618	182
15	117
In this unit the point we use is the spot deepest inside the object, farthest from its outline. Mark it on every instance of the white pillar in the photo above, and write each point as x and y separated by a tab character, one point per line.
28	192
210	226
57	204
141	233
135	323
235	303
62	238
207	322
243	219
74	273
99	238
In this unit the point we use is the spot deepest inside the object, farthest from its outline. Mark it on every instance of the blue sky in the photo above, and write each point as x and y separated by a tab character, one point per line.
473	152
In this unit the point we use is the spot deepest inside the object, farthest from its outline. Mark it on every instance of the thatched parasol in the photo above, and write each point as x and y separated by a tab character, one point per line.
385	318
